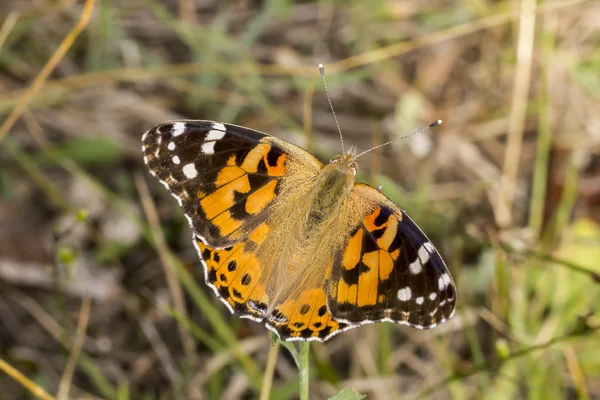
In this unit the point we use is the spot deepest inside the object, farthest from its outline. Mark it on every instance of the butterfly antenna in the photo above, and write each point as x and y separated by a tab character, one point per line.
432	125
322	71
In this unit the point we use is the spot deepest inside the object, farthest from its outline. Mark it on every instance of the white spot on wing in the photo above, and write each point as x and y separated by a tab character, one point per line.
422	258
432	296
211	138
189	170
218	126
178	128
176	160
171	146
419	300
429	247
447	280
208	148
214	134
441	283
404	294
415	267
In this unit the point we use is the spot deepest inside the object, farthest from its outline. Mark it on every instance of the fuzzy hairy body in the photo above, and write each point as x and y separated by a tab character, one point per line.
305	256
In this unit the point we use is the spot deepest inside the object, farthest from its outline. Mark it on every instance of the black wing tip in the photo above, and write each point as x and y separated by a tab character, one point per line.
178	127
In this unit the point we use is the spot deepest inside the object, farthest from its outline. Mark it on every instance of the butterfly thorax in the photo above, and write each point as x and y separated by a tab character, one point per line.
332	187
316	214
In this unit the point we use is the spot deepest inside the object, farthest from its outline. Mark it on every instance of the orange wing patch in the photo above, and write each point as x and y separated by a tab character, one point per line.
260	153
366	262
305	317
235	274
242	189
258	200
352	252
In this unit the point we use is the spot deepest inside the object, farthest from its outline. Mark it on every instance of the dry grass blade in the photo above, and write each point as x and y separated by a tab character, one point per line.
84	317
576	372
7	26
40	79
514	105
518	109
267	383
162	352
374	56
33	388
494	363
168	267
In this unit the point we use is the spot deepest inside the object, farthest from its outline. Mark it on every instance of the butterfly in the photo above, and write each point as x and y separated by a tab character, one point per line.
293	243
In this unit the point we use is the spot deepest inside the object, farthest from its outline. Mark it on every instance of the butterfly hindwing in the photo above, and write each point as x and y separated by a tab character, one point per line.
305	317
224	176
388	270
235	273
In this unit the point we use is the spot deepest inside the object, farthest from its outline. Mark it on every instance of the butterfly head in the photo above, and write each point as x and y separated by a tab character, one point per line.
347	158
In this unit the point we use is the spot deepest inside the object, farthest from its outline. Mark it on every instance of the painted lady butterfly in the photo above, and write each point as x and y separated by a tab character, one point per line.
288	241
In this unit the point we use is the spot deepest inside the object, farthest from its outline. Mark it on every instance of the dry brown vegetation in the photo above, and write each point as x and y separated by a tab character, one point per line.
101	292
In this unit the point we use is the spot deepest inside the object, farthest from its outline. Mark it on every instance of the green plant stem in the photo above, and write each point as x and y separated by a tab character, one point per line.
304	376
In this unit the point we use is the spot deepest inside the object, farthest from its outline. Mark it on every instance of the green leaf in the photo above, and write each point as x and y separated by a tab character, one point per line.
348	393
85	150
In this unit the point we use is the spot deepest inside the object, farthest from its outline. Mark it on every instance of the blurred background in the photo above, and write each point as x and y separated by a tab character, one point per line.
101	291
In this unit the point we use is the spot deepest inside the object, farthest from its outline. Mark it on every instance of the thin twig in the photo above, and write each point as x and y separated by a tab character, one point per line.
162	352
595	276
84	317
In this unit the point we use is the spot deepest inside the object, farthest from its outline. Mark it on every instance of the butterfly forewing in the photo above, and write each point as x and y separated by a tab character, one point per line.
225	177
388	270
